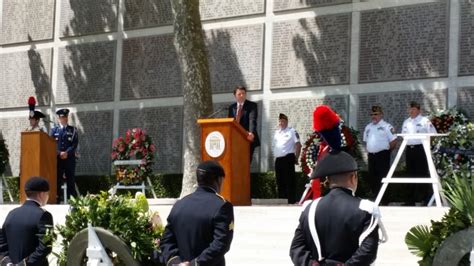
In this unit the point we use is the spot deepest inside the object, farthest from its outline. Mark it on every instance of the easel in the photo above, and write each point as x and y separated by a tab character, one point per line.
432	179
3	182
140	186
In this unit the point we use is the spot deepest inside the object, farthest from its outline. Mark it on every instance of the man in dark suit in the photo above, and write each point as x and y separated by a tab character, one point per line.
22	236
201	225
339	228
67	140
246	113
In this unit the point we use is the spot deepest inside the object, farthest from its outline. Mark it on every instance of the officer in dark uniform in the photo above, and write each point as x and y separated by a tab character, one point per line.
201	225
339	228
22	234
67	140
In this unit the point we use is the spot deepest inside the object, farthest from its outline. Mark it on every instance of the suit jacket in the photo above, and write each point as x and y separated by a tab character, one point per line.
66	139
339	224
21	236
248	118
200	229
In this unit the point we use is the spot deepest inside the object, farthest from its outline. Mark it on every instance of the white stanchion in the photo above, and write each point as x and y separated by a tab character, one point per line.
433	178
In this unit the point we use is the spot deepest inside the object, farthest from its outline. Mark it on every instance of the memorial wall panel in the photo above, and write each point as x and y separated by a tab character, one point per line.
26	20
25	74
150	68
465	101
95	141
165	127
86	73
84	17
281	5
300	115
153	13
395	105
401	43
466	38
235	57
311	51
10	131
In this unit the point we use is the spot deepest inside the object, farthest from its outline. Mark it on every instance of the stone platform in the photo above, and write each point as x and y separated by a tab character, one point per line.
263	233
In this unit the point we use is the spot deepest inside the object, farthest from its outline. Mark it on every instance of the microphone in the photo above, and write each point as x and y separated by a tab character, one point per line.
216	112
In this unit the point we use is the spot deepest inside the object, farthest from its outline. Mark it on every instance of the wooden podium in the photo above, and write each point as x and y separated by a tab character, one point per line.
224	140
38	158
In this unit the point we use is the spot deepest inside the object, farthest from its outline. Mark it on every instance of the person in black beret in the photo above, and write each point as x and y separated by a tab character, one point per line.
286	148
22	234
201	225
67	140
339	228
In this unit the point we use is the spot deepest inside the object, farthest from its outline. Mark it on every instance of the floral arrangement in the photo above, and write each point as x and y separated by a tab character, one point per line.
455	152
128	218
443	120
3	156
310	151
136	145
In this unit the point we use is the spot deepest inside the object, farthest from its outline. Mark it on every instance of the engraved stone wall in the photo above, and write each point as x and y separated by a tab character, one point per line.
164	125
10	131
95	141
84	17
147	13
235	57
313	51
401	43
396	104
24	74
150	68
86	73
26	20
280	5
300	115
152	13
465	100
212	9
466	38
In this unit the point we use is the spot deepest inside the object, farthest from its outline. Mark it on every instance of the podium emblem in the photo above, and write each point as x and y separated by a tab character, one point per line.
215	144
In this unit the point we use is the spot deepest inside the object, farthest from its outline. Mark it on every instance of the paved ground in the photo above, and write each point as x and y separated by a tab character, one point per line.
263	233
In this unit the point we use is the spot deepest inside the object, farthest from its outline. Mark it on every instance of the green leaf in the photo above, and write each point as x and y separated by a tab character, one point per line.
418	240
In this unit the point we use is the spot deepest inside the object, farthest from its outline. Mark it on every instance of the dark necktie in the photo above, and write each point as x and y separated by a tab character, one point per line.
239	113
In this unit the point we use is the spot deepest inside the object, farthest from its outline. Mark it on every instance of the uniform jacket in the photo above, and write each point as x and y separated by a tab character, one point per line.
66	139
21	236
199	229
339	224
248	118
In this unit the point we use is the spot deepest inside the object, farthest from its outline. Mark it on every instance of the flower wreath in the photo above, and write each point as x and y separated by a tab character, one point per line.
136	145
3	156
454	152
309	154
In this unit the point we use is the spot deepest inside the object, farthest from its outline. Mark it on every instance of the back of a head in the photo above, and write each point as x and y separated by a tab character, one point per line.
35	185
209	171
334	163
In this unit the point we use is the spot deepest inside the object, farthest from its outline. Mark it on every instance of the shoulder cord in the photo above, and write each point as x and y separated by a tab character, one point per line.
312	227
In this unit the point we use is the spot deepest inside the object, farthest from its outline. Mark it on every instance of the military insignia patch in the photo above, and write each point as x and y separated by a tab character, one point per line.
231	226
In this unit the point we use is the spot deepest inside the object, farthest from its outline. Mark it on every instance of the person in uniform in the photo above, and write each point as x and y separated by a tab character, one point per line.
34	122
246	113
339	228
67	140
415	157
380	139
286	149
22	234
200	226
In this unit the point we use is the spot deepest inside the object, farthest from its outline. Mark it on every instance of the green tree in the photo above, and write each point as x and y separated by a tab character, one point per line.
197	94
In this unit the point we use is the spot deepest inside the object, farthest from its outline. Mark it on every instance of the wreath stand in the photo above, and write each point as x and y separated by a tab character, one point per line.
432	179
141	186
3	183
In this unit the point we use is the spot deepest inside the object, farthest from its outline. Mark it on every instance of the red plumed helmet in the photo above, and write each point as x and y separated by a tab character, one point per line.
31	101
324	118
